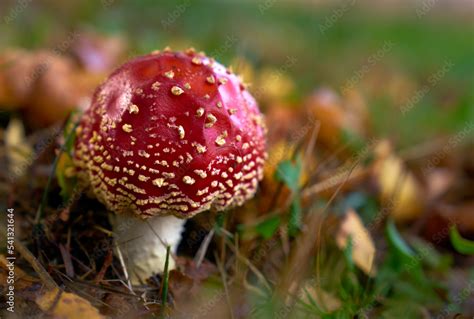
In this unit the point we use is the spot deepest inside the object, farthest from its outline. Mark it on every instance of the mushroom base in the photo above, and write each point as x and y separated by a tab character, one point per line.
143	243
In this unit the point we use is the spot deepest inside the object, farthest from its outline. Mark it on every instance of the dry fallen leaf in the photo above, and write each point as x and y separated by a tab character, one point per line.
438	181
19	152
335	115
272	84
67	305
399	188
278	152
356	105
284	121
363	248
244	69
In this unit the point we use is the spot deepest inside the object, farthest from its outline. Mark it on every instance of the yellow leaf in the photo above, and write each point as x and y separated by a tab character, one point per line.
272	84
67	305
278	152
399	189
363	248
244	69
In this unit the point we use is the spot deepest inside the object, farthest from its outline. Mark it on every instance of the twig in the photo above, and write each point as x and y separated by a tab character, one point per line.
36	265
124	268
250	265
67	260
203	248
224	282
105	266
320	226
311	145
333	181
222	241
329	159
422	150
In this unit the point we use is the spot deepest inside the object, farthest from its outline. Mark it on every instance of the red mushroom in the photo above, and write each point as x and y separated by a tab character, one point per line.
167	136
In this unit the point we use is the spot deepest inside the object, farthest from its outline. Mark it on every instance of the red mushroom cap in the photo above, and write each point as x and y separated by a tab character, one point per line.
171	133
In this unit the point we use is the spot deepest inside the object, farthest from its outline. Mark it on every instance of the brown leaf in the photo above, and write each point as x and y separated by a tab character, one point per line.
286	123
438	181
190	268
335	115
326	107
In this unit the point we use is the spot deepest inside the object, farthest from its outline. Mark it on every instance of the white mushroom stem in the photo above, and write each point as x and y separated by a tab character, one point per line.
143	243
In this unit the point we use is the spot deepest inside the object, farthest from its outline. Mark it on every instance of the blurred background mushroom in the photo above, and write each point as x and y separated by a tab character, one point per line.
47	85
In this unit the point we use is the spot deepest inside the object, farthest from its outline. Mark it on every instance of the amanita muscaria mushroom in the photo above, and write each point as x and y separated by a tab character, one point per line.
168	135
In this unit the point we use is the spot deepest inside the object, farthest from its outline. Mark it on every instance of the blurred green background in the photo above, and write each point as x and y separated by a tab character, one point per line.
330	42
